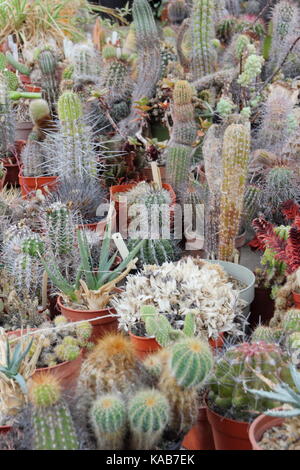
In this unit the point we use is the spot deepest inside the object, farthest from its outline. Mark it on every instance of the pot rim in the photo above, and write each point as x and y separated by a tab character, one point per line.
60	304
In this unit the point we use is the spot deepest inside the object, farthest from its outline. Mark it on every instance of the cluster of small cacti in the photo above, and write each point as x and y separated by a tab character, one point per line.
237	370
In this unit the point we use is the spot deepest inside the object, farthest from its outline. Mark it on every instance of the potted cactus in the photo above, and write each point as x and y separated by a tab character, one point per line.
282	423
230	406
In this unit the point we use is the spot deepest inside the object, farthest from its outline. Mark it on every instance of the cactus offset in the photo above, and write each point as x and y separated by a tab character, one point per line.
148	415
235	167
108	420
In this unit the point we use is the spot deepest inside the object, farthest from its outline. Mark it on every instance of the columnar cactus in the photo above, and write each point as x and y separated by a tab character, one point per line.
235	372
156	251
109	422
148	413
52	423
48	64
203	33
148	61
7	131
184	132
60	228
235	157
177	11
86	64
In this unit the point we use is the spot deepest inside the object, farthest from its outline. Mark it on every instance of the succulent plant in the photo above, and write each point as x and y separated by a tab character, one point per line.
177	11
239	369
7	132
86	64
264	333
108	418
48	64
148	414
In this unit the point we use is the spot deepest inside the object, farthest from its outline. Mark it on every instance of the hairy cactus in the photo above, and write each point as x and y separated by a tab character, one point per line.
148	60
177	11
203	33
110	368
7	131
74	141
53	427
235	168
86	63
108	419
148	414
48	64
235	372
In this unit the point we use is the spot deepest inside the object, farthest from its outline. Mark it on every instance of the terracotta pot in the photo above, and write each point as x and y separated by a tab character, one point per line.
240	240
262	308
12	173
23	129
144	346
217	343
5	429
200	437
121	206
67	372
101	226
25	79
100	327
30	184
259	426
229	434
296	298
33	88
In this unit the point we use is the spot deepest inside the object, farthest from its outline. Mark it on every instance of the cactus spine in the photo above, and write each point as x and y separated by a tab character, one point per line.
235	371
235	157
47	64
60	229
86	64
203	33
184	132
53	427
108	419
156	251
148	414
7	131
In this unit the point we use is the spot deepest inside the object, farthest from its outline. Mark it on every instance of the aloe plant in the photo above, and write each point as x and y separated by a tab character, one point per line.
14	362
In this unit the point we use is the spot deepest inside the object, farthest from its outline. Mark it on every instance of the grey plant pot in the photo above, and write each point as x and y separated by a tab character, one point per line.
243	274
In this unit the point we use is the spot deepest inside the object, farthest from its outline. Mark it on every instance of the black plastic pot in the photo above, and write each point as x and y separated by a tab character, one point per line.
262	307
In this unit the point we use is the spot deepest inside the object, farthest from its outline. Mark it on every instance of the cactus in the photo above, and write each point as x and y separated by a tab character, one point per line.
7	131
167	56
86	63
233	7
52	423
108	420
291	321
67	352
74	141
11	80
252	69
190	363
184	132
22	68
264	333
235	167
177	11
60	229
203	33
220	10
148	61
148	414
156	251
48	64
110	368
237	370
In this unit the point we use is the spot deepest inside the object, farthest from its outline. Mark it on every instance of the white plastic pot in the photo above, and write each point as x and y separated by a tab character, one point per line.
243	274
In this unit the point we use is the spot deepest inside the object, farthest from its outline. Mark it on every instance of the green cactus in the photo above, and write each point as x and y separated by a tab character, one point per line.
48	64
53	427
177	11
156	251
238	369
108	419
148	414
11	80
61	228
23	69
86	64
167	56
191	362
264	333
291	320
33	246
236	145
203	33
7	130
67	352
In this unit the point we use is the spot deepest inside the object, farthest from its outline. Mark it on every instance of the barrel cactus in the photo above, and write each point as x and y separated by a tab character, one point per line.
264	333
238	370
148	414
109	422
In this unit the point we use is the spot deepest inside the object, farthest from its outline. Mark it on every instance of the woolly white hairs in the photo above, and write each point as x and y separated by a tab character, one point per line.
179	288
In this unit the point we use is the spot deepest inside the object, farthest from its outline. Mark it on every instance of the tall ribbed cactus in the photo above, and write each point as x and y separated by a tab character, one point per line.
184	132
48	64
52	424
7	131
148	414
108	419
156	251
235	158
73	155
60	228
148	61
177	11
203	33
